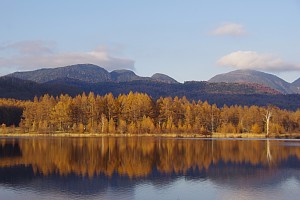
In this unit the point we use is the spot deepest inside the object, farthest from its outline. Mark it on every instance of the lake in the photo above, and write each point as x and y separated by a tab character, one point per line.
148	168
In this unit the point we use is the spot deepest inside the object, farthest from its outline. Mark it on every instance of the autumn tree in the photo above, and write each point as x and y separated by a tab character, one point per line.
103	125
139	113
147	125
255	128
3	129
111	126
122	126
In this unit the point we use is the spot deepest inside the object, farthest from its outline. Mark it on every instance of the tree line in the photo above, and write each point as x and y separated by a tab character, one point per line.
138	113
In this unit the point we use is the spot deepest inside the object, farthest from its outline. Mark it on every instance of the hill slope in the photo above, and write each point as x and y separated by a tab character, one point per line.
296	83
125	76
11	87
83	72
163	78
218	93
252	76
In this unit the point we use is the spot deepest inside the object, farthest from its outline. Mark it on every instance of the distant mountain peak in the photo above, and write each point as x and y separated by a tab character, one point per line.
253	76
163	78
121	71
83	72
124	75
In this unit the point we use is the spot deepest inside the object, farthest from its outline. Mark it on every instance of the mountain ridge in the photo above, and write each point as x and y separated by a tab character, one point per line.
296	83
93	74
85	72
163	78
159	85
214	93
253	76
82	72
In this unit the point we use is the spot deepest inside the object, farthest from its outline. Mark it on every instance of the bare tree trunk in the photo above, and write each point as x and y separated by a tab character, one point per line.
102	124
268	116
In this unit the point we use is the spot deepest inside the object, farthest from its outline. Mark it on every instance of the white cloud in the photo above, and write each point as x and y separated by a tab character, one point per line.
232	29
254	60
30	55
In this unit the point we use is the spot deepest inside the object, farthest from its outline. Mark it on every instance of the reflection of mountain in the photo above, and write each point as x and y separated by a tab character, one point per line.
25	177
89	166
231	175
237	175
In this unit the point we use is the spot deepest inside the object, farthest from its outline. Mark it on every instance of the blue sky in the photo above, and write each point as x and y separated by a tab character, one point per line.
188	40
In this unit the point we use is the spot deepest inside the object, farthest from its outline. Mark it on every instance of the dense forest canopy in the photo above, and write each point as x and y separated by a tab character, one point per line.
139	113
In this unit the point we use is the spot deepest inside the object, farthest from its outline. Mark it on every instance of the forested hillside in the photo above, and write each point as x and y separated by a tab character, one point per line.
215	93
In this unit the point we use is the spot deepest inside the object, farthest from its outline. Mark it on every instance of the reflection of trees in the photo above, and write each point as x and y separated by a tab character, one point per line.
138	157
269	156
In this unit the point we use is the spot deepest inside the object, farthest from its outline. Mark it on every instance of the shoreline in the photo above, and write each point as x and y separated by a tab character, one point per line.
163	135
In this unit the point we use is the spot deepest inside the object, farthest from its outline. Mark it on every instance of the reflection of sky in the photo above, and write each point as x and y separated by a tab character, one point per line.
45	194
180	189
283	184
288	189
183	189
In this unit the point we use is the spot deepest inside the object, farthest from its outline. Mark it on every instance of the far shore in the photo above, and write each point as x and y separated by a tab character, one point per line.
166	135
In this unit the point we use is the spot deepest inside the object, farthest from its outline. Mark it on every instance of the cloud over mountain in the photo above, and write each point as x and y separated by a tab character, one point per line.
254	60
232	29
29	55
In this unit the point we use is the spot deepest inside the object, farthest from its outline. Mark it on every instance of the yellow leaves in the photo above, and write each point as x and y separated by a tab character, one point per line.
256	128
147	125
132	128
111	126
276	128
227	128
3	129
122	127
81	128
134	106
139	113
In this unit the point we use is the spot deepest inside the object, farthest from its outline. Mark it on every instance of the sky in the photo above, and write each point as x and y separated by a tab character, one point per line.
186	39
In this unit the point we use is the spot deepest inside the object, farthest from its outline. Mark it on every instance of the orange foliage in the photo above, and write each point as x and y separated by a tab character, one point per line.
139	113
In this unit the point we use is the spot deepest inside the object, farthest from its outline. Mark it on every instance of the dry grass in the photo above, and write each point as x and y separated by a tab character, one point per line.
18	133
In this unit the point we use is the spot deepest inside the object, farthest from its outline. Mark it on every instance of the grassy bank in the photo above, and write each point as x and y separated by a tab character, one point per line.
19	133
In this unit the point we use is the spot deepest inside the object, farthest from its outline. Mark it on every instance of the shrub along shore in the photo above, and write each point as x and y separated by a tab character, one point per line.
16	132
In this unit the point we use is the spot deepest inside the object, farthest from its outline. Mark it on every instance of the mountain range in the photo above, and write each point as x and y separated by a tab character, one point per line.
88	73
241	87
252	76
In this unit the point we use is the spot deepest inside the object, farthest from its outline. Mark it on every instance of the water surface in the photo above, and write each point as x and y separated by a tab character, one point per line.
148	168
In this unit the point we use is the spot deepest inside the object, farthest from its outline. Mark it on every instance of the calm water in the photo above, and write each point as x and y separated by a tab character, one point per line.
148	168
